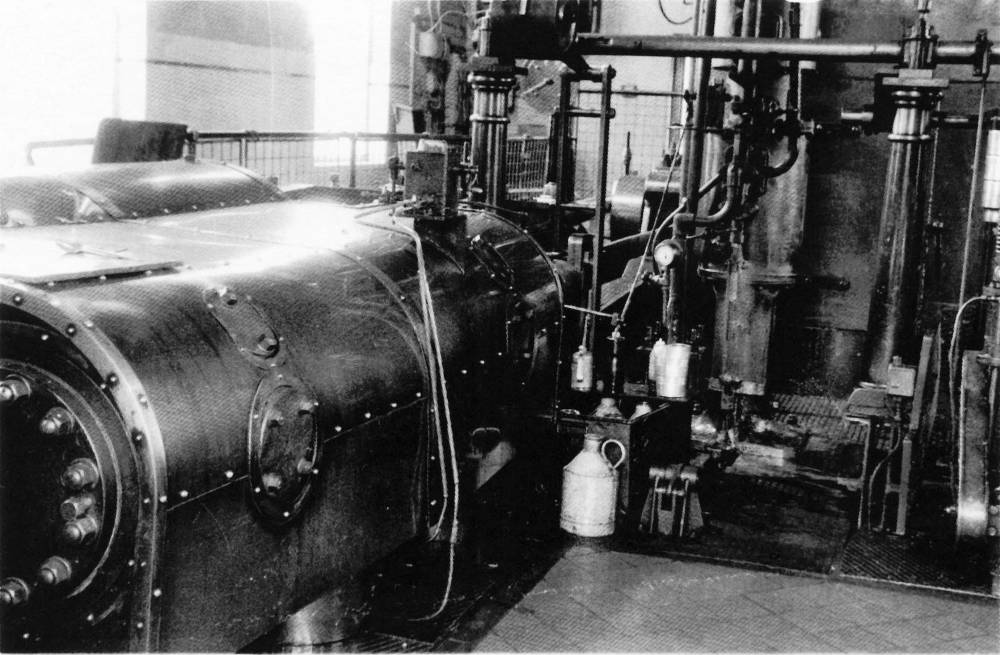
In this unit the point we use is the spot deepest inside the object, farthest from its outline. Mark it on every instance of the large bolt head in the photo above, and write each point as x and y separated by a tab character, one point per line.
76	506
81	473
81	530
13	591
55	570
13	388
57	421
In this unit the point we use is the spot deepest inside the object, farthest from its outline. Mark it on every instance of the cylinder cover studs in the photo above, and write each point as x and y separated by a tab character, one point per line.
13	591
76	506
13	388
82	473
55	570
81	530
57	421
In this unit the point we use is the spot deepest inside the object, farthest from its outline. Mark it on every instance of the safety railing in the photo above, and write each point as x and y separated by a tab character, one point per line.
350	159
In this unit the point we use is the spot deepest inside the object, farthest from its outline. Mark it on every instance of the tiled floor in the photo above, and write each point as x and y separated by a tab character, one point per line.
603	601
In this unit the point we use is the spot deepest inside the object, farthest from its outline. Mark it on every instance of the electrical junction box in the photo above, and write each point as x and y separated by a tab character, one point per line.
901	380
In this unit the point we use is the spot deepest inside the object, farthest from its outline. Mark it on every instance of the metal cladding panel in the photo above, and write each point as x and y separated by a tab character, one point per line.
130	191
231	579
541	285
357	353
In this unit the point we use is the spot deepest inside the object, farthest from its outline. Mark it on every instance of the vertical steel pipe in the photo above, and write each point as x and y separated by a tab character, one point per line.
970	212
352	176
809	15
696	77
725	14
565	182
601	192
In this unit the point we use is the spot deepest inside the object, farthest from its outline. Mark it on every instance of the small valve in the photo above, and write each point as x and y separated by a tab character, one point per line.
81	530
13	388
80	474
55	570
13	592
57	421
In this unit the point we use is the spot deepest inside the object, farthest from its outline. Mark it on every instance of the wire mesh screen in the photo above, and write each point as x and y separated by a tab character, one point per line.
526	166
642	119
336	160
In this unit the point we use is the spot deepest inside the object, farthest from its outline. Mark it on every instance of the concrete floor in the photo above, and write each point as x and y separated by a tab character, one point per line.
601	601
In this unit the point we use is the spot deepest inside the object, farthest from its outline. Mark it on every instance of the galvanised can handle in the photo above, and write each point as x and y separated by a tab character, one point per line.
605	455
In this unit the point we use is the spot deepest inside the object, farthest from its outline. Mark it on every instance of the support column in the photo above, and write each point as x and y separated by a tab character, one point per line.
490	89
892	312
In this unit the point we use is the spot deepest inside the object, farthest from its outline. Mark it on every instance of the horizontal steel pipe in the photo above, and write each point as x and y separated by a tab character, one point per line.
588	113
649	45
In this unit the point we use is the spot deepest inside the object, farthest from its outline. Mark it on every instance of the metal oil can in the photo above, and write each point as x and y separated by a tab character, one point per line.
590	488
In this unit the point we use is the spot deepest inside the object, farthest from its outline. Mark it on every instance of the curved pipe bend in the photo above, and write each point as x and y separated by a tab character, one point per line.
785	166
721	214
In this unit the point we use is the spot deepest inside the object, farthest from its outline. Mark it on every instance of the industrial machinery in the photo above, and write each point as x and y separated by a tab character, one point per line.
210	415
210	418
719	253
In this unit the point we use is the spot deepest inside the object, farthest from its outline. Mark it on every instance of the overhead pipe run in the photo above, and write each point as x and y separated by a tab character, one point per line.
650	45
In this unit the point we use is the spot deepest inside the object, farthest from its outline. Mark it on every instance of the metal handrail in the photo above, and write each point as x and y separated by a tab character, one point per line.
31	146
244	138
391	137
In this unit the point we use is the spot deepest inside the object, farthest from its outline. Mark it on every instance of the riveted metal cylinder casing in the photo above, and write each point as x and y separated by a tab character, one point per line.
251	414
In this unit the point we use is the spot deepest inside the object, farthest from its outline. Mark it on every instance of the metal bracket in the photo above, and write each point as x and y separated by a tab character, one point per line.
981	56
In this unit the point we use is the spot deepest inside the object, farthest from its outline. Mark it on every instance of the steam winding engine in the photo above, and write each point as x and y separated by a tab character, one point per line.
206	430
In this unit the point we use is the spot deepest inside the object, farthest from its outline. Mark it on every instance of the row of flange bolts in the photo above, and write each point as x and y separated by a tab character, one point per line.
78	511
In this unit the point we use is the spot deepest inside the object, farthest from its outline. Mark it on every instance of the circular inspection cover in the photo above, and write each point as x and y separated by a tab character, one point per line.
283	448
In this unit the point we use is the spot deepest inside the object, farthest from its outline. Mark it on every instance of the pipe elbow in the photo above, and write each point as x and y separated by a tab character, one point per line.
785	166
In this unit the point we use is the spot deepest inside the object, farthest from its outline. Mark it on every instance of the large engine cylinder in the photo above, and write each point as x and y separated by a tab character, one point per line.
209	419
